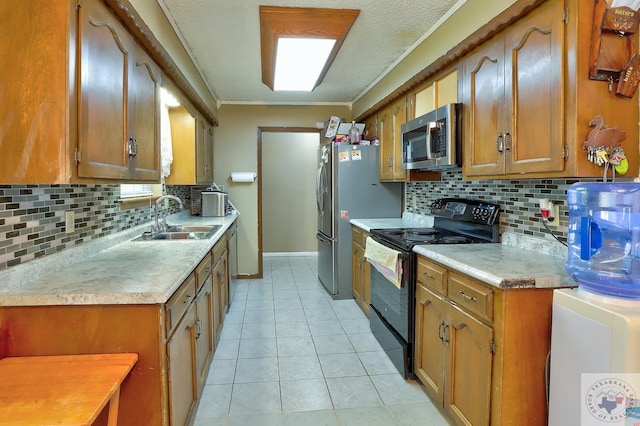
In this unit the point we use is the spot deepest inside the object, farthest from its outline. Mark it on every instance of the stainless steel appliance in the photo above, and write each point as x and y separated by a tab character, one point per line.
392	313
347	186
433	141
214	204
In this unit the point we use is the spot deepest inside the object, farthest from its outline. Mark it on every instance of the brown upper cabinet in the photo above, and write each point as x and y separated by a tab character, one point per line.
192	140
528	100
80	98
389	122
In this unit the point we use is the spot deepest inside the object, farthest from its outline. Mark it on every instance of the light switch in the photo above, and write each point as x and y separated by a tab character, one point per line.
70	224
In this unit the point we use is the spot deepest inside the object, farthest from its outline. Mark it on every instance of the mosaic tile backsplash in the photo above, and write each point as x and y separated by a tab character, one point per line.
518	199
32	217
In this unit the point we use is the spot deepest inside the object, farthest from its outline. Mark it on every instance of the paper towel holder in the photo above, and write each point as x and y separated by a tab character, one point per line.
243	177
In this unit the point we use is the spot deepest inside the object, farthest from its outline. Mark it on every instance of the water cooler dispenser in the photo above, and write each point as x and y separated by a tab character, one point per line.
596	327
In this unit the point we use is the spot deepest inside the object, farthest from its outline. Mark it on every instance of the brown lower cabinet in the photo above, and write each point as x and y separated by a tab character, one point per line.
360	270
174	342
480	351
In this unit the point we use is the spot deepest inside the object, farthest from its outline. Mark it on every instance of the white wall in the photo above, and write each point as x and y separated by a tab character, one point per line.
236	149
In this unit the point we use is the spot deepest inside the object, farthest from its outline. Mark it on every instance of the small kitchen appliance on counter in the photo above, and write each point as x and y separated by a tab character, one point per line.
214	203
392	313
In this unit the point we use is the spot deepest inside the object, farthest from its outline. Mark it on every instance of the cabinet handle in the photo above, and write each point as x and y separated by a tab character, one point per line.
500	143
444	333
207	271
440	329
198	329
507	141
390	162
466	296
132	147
428	275
187	298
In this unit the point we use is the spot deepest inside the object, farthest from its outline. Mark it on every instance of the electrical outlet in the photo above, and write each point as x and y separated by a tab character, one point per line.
69	224
415	202
555	214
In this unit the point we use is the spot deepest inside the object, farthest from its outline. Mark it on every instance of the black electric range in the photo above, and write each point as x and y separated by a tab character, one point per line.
392	316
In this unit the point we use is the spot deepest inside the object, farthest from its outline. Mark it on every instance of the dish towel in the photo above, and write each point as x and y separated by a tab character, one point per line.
386	260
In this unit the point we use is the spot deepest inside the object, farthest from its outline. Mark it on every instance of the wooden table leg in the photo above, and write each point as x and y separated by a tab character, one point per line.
113	408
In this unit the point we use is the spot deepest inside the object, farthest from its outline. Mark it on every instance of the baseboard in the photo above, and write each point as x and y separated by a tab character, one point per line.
290	254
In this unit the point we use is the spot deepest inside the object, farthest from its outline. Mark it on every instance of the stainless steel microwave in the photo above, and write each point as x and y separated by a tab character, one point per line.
433	141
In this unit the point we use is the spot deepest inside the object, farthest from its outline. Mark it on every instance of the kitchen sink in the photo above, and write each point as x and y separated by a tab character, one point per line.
181	232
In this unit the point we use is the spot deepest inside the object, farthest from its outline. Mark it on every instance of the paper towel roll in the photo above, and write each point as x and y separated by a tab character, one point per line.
243	176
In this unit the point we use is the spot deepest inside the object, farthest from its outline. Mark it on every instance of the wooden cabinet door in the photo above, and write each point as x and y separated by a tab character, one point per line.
103	60
467	368
219	275
144	117
204	331
389	124
534	92
483	95
385	133
429	352
356	268
182	369
204	152
399	113
365	277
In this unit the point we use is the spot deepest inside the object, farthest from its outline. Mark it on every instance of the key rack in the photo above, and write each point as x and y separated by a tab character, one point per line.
614	56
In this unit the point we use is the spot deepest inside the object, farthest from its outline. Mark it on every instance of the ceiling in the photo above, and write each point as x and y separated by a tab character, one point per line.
223	39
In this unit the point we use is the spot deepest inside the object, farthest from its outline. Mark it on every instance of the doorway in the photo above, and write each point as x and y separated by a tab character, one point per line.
287	219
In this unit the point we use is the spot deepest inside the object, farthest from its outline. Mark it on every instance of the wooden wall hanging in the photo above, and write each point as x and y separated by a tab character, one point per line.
614	56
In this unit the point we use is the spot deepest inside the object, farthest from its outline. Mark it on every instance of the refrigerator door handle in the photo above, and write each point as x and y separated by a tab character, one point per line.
319	199
323	239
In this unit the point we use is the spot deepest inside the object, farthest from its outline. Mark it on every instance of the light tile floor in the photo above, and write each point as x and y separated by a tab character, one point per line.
290	355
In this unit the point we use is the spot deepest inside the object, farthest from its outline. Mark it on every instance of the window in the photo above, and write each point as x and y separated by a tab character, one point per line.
129	190
138	195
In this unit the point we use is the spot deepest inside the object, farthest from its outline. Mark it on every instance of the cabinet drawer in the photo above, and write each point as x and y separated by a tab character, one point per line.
475	297
218	250
177	305
356	235
432	275
203	271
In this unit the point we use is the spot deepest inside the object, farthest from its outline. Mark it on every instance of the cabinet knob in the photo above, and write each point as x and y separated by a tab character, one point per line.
500	143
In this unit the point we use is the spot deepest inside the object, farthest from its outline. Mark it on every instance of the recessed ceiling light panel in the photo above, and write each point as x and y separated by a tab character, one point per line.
299	62
279	26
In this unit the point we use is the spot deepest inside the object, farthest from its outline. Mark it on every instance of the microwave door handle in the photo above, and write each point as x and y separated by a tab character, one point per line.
432	129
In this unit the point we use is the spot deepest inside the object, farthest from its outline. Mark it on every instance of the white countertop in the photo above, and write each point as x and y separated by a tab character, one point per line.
407	220
519	262
128	272
501	265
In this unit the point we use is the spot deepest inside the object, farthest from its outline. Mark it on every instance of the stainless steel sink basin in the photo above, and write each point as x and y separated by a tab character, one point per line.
180	232
211	229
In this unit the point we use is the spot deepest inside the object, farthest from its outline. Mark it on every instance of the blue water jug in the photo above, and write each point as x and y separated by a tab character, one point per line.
604	237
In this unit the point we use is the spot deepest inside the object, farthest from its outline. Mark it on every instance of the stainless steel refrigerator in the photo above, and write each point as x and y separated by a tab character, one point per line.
348	187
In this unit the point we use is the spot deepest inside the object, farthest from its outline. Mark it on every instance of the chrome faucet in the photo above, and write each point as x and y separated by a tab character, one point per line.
163	227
